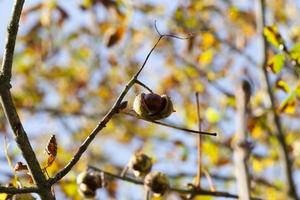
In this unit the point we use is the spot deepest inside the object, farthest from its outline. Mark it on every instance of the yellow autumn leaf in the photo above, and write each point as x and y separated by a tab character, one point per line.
212	115
208	40
273	36
257	132
206	57
282	85
276	63
288	105
212	151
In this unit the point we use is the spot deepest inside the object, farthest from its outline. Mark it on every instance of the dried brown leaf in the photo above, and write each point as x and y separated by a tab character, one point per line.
20	167
51	150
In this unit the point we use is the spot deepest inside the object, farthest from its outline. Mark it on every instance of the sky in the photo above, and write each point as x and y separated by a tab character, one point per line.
5	10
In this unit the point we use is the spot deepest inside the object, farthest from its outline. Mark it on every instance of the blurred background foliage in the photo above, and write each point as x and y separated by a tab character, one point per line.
74	57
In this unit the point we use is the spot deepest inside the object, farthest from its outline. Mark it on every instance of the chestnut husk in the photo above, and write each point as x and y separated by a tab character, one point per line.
157	182
153	106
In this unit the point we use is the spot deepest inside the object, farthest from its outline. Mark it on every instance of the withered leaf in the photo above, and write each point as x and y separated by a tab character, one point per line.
51	150
52	146
20	167
116	36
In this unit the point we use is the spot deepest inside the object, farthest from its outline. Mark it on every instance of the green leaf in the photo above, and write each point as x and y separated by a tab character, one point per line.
212	115
276	63
295	52
282	85
289	104
297	90
273	36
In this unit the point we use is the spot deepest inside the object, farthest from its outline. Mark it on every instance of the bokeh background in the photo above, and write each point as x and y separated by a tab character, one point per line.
74	57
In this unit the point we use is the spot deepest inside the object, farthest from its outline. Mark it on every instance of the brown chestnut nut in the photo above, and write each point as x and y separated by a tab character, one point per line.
153	106
140	164
157	182
88	183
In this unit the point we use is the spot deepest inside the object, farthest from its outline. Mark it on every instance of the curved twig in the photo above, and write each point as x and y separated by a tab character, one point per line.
143	85
114	110
174	189
170	35
170	125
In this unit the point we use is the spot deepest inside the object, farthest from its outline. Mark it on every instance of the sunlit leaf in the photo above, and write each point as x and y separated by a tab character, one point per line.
70	189
288	105
212	151
276	63
212	115
274	37
206	57
294	52
208	40
297	90
282	85
203	198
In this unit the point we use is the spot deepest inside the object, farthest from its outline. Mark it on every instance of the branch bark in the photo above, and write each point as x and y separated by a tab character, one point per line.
242	146
12	31
284	154
114	110
9	107
174	189
14	190
170	125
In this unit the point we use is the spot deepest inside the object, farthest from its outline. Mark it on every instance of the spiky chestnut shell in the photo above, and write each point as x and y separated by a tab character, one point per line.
157	182
153	106
140	164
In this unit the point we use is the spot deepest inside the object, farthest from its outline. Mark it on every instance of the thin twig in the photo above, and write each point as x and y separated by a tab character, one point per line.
174	189
9	159
209	180
242	146
12	32
284	152
198	178
114	110
124	171
170	125
146	60
143	85
147	194
170	35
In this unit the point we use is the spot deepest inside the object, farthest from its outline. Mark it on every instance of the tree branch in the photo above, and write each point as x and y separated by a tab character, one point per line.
12	31
114	110
174	189
9	107
14	190
170	125
242	146
199	145
286	160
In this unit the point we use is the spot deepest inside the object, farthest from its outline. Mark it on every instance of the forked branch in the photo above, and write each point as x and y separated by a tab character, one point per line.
114	110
